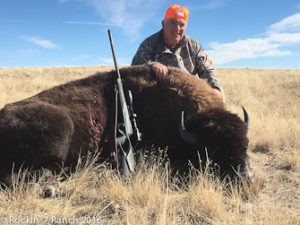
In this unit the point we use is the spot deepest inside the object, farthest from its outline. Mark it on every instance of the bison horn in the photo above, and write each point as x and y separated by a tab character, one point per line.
246	117
184	134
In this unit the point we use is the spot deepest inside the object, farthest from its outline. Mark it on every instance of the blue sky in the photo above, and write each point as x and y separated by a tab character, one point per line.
235	33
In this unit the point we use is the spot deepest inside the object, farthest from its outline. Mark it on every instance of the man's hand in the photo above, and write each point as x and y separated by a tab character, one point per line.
161	71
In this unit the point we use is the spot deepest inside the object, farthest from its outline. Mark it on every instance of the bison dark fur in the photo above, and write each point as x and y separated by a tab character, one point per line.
58	124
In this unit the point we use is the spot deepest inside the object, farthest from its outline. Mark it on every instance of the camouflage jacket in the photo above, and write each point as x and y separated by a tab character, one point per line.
189	56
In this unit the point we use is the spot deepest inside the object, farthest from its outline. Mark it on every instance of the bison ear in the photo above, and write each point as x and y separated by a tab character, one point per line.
187	136
246	117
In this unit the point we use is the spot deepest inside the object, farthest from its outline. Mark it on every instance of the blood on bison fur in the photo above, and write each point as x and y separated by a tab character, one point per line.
58	124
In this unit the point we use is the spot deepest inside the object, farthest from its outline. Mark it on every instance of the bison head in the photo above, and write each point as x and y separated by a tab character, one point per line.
222	137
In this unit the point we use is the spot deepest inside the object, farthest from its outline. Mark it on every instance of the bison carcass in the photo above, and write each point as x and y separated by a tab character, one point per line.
59	124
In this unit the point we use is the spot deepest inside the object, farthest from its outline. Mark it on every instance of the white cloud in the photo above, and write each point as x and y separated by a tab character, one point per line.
40	42
284	38
283	33
129	15
276	52
291	23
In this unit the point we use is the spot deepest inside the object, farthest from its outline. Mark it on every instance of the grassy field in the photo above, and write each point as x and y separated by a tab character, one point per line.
95	195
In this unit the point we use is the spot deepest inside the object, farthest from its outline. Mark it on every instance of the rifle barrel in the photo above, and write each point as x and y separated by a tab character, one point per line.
113	53
124	108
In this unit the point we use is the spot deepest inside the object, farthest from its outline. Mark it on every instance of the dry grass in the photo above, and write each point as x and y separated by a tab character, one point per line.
96	195
17	84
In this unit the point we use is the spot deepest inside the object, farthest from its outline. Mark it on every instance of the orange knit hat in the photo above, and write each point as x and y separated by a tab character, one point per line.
178	12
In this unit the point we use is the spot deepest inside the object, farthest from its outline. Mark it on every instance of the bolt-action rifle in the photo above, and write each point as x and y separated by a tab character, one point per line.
126	122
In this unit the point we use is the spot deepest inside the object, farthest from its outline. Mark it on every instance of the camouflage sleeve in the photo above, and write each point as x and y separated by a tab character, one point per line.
143	55
205	68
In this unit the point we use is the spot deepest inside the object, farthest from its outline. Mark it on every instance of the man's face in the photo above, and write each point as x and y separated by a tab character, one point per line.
173	31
